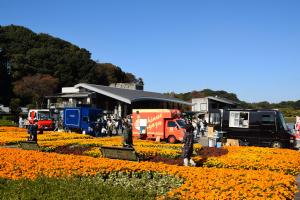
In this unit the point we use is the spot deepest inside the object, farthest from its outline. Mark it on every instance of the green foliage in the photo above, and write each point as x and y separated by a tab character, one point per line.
112	186
204	93
36	87
28	53
5	79
15	106
290	119
7	123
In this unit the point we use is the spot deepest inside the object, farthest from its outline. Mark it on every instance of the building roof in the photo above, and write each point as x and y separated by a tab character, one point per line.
227	101
129	96
71	95
6	110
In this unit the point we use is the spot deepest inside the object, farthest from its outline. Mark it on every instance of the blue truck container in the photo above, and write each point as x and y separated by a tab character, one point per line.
80	119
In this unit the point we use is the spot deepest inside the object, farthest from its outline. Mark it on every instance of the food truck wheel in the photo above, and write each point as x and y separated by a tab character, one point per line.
171	139
276	144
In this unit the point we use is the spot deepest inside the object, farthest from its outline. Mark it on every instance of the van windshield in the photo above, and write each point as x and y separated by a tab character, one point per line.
282	121
43	115
181	123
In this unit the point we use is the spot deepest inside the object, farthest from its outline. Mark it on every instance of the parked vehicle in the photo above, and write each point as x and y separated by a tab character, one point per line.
44	118
297	131
164	124
257	128
80	119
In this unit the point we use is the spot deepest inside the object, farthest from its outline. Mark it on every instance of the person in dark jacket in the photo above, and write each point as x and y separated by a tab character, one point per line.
188	144
32	130
128	142
97	129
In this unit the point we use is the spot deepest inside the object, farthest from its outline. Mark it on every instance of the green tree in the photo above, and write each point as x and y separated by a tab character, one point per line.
36	87
5	79
15	107
29	53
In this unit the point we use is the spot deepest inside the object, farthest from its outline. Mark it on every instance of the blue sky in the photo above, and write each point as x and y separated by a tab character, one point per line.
247	47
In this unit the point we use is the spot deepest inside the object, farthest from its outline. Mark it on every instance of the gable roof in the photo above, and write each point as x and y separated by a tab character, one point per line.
223	100
129	96
227	101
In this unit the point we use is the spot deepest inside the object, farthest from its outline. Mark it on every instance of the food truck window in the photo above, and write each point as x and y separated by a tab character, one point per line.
215	118
239	119
172	124
44	115
268	119
181	123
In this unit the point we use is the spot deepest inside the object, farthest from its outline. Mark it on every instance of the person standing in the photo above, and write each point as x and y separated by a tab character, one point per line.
110	127
188	145
202	129
55	125
32	130
128	142
194	123
98	128
120	125
205	124
198	126
21	122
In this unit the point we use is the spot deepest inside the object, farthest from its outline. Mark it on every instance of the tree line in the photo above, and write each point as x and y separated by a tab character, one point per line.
33	65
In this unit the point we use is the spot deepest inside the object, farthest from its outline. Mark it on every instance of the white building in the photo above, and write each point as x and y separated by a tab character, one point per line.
209	107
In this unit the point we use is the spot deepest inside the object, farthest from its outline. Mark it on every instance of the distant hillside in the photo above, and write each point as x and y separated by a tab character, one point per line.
25	53
289	108
204	93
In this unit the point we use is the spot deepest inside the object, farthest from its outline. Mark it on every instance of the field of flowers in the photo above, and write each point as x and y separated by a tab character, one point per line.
256	158
229	172
199	183
51	140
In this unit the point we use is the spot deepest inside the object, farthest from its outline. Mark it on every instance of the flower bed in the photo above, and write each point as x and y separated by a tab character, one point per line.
51	140
255	158
146	149
199	183
12	135
250	175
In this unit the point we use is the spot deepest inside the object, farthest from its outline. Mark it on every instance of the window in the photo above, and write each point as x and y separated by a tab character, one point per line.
215	118
172	124
282	122
239	119
43	115
268	119
181	123
203	107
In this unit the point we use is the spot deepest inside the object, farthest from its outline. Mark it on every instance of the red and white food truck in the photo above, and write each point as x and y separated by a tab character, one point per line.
44	118
162	124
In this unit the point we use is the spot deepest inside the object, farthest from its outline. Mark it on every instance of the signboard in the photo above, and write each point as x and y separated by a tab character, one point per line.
143	122
72	117
122	153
